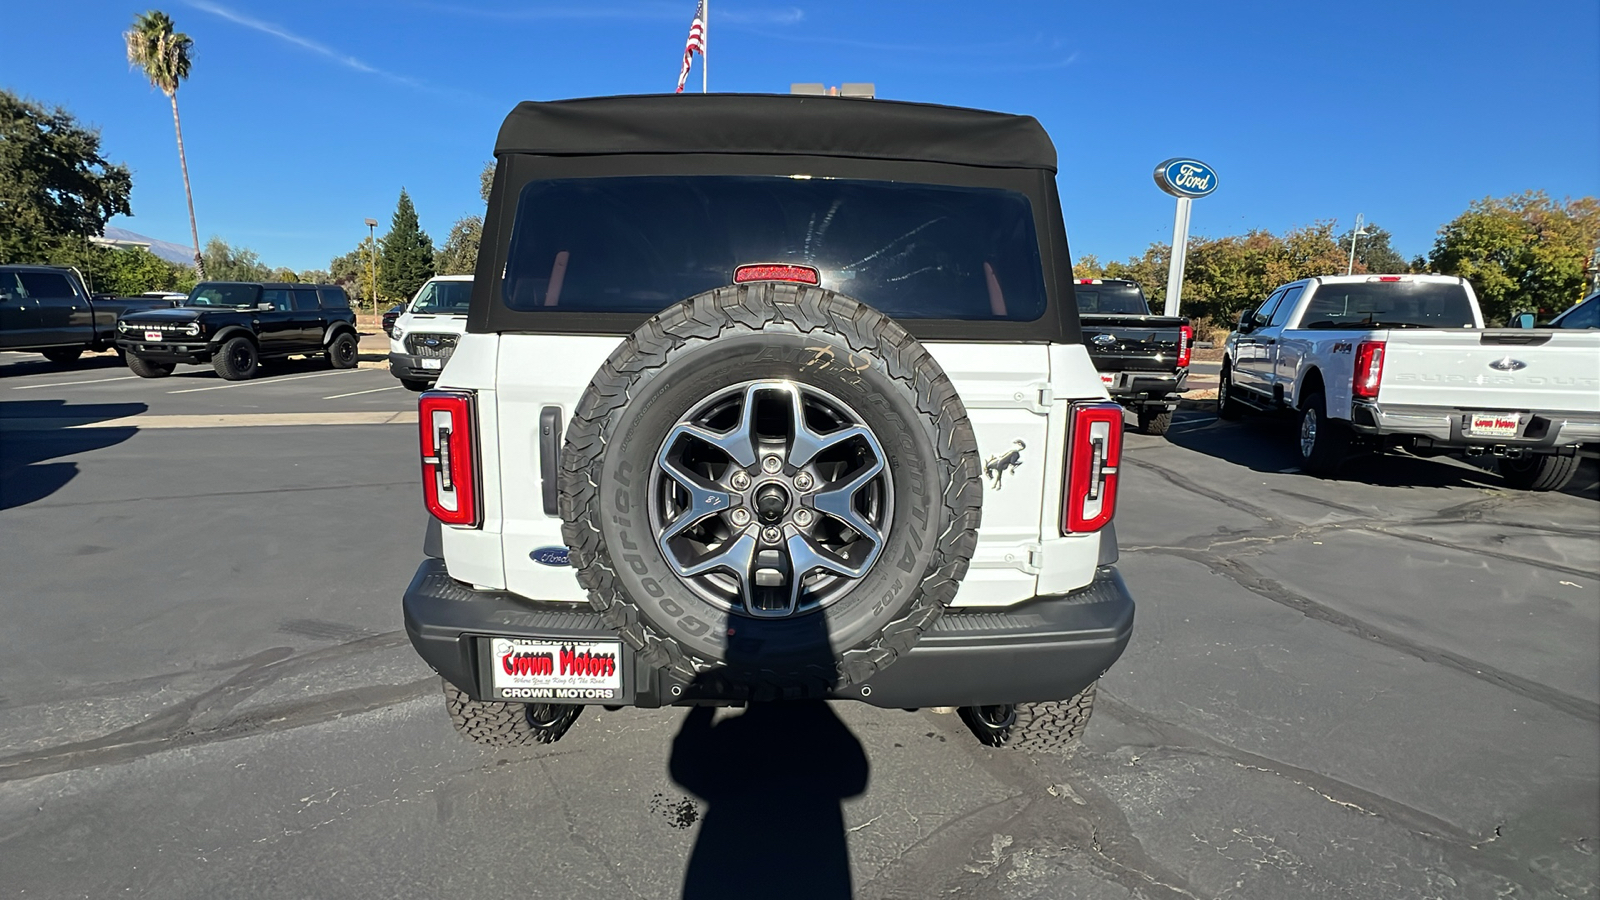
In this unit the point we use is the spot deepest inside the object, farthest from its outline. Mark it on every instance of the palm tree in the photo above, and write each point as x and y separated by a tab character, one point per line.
163	55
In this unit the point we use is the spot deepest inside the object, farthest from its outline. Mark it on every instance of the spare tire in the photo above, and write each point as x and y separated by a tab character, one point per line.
770	490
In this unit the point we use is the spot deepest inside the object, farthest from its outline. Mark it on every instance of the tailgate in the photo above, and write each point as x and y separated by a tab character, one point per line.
1132	343
1550	370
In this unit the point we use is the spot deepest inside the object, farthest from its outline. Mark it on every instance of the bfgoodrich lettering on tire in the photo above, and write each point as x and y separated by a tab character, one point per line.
772	489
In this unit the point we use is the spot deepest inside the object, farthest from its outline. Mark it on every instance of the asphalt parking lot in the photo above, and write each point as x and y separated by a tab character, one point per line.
1385	685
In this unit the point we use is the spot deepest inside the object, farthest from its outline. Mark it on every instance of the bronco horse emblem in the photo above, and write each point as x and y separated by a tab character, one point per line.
997	466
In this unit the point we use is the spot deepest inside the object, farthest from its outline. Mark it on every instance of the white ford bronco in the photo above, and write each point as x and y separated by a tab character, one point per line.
1385	361
770	397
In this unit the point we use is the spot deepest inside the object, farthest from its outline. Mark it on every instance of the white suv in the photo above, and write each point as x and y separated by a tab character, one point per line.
729	411
426	333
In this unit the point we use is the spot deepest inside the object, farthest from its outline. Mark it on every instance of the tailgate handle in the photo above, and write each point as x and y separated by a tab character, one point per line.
549	456
1513	337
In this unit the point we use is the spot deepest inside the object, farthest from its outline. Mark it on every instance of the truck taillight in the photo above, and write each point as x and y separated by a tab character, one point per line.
1369	370
1094	445
1185	345
449	427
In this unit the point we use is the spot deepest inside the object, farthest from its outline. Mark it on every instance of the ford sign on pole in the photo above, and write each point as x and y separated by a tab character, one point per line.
1185	179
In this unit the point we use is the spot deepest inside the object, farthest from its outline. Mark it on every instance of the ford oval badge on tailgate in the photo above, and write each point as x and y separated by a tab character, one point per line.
550	556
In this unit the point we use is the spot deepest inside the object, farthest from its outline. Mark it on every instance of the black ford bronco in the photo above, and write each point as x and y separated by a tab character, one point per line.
768	397
234	325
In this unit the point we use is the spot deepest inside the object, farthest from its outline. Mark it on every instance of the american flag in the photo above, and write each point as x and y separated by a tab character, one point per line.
696	43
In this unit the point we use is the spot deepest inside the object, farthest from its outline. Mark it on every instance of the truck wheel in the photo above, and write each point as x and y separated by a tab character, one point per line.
149	368
1545	472
1050	726
1154	421
413	384
496	724
1324	442
1228	406
236	359
732	504
62	354
343	351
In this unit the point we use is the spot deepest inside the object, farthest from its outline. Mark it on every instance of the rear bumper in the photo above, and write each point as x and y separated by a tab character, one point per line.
404	365
1048	648
1145	387
1447	427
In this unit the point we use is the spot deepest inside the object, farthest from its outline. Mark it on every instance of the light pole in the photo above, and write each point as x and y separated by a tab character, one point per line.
372	265
1356	235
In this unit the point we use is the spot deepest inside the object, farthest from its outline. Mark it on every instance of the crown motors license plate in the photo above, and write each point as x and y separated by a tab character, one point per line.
1494	424
561	671
152	335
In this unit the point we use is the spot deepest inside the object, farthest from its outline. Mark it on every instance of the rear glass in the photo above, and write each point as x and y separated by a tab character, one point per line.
640	244
1389	304
1111	299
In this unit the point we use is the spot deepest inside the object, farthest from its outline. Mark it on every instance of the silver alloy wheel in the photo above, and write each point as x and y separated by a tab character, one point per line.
1308	432
764	435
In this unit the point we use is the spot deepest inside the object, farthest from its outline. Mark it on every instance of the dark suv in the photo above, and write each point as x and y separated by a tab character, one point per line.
234	325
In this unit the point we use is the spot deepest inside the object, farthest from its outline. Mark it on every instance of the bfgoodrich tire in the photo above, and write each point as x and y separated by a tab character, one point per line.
1155	421
343	351
236	359
496	724
742	385
1051	726
148	368
1539	473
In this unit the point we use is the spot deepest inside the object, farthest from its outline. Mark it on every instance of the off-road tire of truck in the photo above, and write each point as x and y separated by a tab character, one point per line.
236	359
1545	472
1323	442
1155	421
748	333
146	368
343	352
496	724
1050	726
63	354
1228	405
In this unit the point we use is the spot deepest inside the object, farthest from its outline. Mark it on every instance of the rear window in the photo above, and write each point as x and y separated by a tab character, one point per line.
1389	304
333	298
1111	299
640	244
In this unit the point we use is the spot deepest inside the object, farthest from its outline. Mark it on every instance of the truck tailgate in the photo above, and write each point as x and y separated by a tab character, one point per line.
1132	343
1552	370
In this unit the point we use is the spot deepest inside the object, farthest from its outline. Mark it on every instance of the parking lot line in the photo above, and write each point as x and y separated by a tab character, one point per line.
234	384
29	387
392	387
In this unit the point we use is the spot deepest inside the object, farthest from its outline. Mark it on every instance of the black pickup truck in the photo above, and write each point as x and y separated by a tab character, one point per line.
235	325
45	309
1143	360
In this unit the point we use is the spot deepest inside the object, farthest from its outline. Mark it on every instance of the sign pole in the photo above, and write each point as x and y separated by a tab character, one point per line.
705	47
1180	251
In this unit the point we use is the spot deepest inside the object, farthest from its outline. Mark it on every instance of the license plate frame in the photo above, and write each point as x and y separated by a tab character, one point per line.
1493	425
433	365
1108	379
555	670
152	335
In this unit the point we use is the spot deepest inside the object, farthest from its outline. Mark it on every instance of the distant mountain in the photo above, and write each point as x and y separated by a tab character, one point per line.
174	253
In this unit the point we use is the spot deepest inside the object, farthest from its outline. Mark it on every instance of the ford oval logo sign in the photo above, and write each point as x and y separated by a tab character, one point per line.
550	556
1103	339
1186	178
1507	365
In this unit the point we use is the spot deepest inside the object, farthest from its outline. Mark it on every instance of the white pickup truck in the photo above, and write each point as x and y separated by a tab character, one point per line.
1405	361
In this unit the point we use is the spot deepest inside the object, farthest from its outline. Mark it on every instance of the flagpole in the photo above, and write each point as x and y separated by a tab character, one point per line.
705	41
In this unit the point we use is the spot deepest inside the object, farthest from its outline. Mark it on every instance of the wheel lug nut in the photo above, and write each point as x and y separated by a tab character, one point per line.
802	517
771	465
740	480
740	517
803	481
771	535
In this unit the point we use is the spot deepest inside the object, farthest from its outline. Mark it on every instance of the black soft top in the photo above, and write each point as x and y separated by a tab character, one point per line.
781	124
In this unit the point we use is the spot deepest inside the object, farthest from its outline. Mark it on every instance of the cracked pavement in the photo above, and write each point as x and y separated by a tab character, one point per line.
1386	685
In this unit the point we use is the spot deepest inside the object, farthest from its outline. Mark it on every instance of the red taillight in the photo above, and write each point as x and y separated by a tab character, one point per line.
1094	444
798	274
449	429
1185	345
1369	370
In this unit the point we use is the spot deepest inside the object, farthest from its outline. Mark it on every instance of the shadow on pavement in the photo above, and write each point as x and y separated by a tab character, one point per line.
773	779
34	431
19	364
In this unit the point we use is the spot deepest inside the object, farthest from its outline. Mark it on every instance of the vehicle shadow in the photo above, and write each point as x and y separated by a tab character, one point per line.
1268	444
17	365
35	431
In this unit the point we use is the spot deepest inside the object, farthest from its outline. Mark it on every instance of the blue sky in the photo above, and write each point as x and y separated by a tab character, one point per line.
303	118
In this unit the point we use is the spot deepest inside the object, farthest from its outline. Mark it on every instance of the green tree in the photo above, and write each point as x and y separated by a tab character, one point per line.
1149	270
1374	252
1524	252
163	56
1088	266
55	187
225	263
486	180
459	255
405	259
316	276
